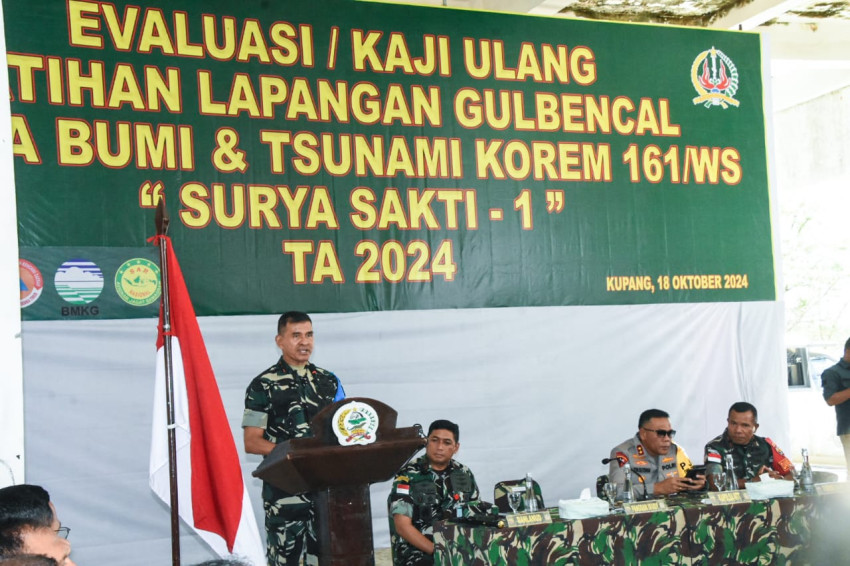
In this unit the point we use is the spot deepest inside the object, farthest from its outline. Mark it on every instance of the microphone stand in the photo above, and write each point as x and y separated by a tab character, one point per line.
642	482
634	471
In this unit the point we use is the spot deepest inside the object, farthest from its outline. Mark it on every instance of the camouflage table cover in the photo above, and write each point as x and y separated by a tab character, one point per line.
612	539
771	532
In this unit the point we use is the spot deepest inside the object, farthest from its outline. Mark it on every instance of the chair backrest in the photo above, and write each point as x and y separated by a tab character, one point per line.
600	486
500	494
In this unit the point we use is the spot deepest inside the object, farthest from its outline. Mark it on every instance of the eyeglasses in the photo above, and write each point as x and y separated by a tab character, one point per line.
662	433
63	532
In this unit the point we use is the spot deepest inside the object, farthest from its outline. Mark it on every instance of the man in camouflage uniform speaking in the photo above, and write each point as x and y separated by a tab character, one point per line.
279	404
751	455
422	490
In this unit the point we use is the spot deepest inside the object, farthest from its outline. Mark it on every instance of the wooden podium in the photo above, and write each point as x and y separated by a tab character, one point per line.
359	447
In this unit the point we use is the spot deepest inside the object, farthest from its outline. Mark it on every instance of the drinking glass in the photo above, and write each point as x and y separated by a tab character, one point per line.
718	480
514	498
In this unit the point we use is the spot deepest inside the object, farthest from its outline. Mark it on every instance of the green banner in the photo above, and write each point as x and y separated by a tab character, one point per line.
344	156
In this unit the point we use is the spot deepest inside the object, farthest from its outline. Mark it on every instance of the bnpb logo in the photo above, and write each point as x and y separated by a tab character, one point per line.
32	283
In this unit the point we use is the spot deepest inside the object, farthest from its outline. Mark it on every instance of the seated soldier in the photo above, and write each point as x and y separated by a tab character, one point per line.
751	455
658	465
422	490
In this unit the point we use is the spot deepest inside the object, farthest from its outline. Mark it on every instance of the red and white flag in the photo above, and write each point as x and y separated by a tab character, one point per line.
213	499
713	456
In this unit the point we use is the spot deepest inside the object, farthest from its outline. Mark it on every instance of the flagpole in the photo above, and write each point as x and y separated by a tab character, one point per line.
161	221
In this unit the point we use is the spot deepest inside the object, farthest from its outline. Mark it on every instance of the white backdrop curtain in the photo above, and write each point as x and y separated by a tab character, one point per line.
542	390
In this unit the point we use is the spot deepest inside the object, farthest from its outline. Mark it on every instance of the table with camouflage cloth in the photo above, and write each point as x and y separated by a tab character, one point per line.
775	531
772	531
612	539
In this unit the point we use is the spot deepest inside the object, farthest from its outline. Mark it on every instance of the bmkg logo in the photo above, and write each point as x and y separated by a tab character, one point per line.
78	281
715	78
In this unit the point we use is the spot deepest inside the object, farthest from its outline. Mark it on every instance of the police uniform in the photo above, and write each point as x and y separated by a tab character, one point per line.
282	401
648	470
423	493
747	460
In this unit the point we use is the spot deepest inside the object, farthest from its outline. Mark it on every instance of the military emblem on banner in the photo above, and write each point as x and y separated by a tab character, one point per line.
715	78
355	423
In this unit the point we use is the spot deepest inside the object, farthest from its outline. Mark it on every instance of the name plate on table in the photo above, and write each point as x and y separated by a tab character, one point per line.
526	519
650	506
728	497
829	488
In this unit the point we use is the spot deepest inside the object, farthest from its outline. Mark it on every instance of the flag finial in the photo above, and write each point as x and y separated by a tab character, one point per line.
161	219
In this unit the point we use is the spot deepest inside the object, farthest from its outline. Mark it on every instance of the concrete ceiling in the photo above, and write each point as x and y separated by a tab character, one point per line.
808	40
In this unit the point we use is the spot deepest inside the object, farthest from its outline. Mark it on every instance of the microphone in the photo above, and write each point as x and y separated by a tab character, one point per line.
620	457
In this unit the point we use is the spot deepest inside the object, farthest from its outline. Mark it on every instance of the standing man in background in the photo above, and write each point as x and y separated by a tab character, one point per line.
279	405
836	392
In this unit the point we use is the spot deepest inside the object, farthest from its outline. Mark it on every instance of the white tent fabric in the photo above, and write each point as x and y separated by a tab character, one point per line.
11	385
542	390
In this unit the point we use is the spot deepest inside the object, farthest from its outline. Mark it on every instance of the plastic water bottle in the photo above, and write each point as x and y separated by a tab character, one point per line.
807	480
530	496
731	479
628	497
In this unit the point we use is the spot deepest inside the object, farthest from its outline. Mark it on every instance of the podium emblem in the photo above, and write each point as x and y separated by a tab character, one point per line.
355	423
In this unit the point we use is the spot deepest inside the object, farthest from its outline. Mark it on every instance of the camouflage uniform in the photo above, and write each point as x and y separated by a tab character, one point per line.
422	493
747	459
647	469
282	401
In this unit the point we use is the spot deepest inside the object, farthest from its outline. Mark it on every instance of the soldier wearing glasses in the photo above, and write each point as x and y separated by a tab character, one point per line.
658	465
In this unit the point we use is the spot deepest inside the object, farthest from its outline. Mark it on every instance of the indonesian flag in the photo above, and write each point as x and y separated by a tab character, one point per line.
713	456
213	499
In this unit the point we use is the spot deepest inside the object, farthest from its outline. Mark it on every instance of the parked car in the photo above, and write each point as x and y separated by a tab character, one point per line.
812	420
